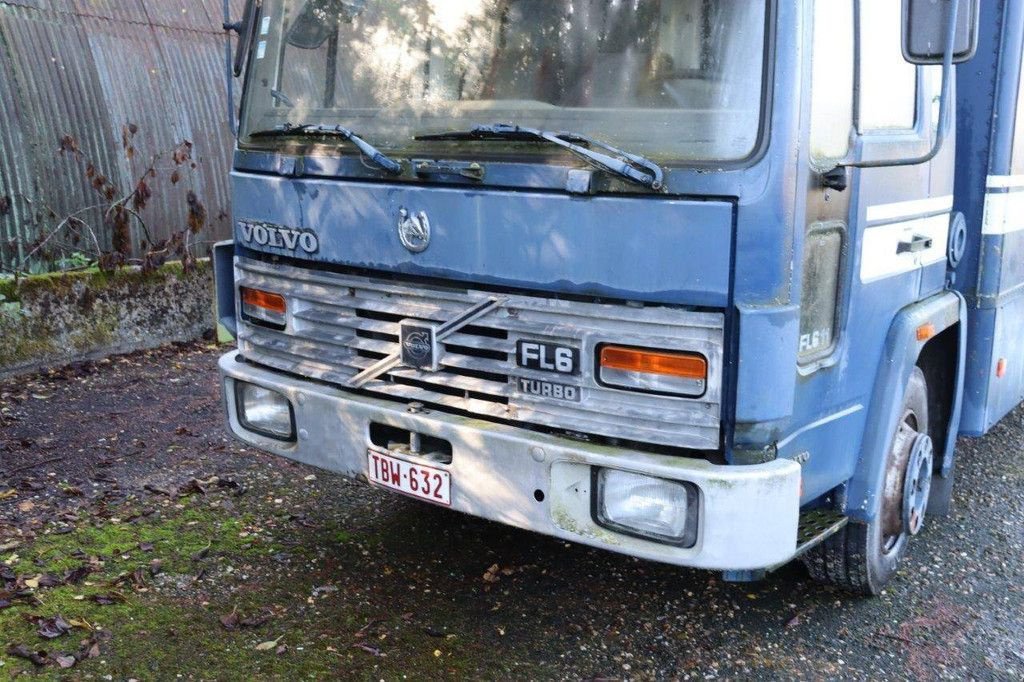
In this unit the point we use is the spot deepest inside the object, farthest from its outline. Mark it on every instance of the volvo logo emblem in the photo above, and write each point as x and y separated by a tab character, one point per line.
417	345
414	230
420	347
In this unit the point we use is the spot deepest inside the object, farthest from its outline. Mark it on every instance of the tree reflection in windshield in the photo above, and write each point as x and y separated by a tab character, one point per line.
681	77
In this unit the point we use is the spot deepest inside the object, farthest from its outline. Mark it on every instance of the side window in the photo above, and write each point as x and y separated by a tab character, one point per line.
831	80
888	83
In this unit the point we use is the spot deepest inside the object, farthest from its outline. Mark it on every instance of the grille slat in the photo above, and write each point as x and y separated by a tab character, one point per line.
341	324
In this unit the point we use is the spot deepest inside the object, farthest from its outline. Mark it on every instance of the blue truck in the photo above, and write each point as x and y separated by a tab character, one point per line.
716	283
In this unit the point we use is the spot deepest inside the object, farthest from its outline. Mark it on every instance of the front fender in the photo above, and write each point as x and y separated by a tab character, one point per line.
901	352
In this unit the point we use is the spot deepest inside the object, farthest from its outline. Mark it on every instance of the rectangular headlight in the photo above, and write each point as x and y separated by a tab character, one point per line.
653	371
263	307
264	411
646	506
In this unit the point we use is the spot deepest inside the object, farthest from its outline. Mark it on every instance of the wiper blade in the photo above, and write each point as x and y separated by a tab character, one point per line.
378	157
633	167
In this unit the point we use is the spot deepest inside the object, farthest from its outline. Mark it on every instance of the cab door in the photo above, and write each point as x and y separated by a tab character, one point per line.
874	239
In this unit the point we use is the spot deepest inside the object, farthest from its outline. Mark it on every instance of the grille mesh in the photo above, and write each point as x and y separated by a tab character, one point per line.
341	324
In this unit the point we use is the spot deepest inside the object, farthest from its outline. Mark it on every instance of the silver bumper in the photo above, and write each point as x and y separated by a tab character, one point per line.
748	514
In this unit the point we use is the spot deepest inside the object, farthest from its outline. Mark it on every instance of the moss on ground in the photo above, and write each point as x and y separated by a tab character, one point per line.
170	625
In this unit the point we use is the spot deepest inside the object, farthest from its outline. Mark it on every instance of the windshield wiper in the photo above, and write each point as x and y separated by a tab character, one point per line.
378	157
630	166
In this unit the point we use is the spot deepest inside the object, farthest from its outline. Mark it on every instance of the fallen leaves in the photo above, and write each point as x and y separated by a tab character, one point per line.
51	628
8	494
234	620
38	658
75	576
494	572
272	644
109	598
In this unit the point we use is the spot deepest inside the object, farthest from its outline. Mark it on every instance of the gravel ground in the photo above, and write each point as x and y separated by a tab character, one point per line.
421	579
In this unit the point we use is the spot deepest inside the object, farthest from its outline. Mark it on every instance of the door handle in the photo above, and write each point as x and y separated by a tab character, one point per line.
915	244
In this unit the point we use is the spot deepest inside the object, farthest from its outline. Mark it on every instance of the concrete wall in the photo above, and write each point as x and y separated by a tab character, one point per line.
51	320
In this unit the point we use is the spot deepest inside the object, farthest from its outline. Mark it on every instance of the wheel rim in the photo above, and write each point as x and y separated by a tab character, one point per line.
917	484
894	532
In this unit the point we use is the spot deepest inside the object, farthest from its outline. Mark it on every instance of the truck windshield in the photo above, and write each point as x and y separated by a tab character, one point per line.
675	80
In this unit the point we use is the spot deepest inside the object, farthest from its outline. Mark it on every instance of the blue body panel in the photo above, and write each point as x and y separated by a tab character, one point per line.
991	276
666	250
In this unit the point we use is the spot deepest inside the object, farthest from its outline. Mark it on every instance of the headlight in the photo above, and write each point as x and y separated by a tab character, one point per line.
653	371
648	507
263	307
264	411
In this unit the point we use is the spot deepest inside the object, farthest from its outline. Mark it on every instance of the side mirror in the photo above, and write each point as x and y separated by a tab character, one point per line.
925	30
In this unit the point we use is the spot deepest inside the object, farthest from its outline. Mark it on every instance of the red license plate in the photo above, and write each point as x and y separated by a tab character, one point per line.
424	482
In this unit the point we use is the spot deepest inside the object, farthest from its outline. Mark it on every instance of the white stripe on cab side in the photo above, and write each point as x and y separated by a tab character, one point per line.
882	213
1004	213
1004	181
879	256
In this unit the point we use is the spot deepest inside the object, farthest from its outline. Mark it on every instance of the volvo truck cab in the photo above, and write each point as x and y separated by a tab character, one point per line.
681	279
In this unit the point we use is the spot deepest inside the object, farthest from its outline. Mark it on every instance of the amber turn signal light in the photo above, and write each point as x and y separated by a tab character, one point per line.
263	306
654	371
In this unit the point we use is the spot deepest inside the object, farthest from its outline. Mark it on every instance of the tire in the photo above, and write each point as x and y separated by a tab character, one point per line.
861	557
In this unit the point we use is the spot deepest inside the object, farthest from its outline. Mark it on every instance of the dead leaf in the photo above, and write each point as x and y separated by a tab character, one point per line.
367	648
76	575
146	546
491	574
52	628
267	646
81	623
66	661
8	494
108	599
50	580
192	487
230	621
26	506
156	566
39	658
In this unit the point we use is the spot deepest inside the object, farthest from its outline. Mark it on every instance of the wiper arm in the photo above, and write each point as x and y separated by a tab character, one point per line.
633	167
372	153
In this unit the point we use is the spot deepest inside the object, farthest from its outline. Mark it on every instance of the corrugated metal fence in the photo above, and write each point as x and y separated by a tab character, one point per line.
85	68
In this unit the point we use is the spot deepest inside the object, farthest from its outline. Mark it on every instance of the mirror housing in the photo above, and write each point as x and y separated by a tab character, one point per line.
925	30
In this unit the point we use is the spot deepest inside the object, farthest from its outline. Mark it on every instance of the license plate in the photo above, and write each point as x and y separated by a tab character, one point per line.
417	480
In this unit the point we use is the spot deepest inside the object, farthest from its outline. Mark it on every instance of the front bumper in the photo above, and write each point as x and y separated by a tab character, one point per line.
748	515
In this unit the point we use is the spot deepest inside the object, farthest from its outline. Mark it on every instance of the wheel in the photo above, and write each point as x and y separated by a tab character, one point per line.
863	557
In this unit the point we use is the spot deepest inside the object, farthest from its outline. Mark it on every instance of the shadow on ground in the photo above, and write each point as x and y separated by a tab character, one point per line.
169	549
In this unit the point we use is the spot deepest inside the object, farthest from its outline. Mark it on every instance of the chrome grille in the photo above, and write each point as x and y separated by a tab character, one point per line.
338	325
